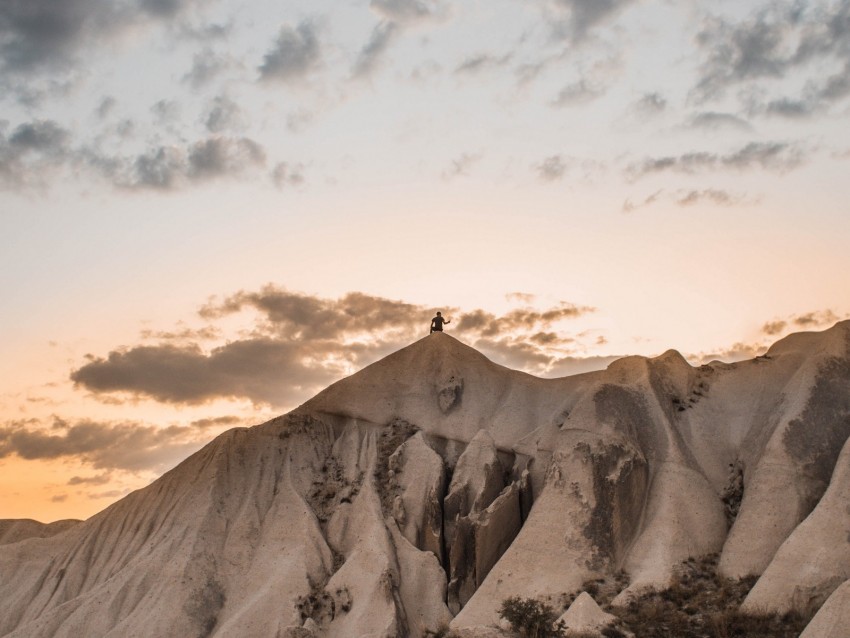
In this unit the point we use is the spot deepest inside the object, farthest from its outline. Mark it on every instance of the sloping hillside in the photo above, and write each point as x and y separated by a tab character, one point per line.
430	486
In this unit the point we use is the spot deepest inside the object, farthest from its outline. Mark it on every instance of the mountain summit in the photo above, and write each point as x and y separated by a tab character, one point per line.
432	485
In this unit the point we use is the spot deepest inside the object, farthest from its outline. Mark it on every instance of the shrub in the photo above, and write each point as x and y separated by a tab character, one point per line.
531	618
699	603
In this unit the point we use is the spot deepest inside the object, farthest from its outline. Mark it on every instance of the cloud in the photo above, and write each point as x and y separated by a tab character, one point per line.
206	66
818	319
712	121
776	156
42	136
166	111
106	106
129	446
206	32
462	165
180	333
300	343
42	33
171	167
758	47
286	174
207	159
162	8
738	351
395	16
514	353
263	370
31	153
295	53
408	11
301	316
772	328
382	35
650	105
45	35
217	422
97	479
527	319
802	321
551	169
629	205
224	114
773	44
582	16
482	62
580	92
685	198
712	195
528	72
34	152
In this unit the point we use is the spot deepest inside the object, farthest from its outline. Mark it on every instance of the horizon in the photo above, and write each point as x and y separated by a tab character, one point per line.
210	211
164	455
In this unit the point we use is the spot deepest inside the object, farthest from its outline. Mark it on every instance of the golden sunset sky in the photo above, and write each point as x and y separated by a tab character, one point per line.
210	210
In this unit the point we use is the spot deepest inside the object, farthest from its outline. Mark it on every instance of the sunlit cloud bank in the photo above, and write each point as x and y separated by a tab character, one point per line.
291	345
262	352
294	344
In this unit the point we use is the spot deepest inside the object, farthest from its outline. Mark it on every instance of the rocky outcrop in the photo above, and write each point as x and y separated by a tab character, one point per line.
336	520
584	617
833	619
815	559
585	510
418	478
14	530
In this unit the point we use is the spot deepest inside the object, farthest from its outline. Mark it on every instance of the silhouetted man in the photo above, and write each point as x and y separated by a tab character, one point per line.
437	323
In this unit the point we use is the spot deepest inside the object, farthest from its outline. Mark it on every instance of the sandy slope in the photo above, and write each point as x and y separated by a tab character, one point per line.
432	484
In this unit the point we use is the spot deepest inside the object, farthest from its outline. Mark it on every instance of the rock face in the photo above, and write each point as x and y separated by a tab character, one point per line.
430	486
584	616
833	619
14	530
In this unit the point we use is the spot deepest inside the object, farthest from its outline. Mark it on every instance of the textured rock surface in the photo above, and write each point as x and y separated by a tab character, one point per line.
339	519
419	478
833	619
585	616
815	559
14	530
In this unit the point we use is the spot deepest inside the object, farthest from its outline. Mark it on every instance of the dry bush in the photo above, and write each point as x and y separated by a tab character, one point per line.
701	604
531	618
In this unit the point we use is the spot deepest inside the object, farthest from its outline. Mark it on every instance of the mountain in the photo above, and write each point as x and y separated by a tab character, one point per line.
432	485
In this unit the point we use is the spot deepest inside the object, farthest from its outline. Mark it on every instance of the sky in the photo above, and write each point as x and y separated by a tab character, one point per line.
212	209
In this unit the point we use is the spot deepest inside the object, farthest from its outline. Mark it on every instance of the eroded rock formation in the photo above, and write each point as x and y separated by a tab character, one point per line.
432	485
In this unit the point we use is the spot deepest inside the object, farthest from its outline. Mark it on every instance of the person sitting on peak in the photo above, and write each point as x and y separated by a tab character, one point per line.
437	323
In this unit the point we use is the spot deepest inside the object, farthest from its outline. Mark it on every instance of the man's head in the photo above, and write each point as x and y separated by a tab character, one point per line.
439	314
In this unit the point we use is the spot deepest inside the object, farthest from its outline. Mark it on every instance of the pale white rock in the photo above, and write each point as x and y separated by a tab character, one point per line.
833	619
420	480
580	516
477	480
624	468
480	539
14	530
584	615
792	449
815	559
